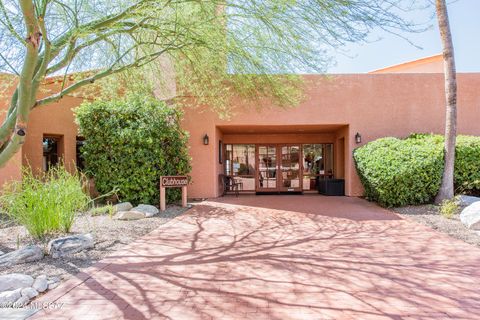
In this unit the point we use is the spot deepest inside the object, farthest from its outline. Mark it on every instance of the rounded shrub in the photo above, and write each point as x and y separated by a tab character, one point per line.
130	143
467	164
398	172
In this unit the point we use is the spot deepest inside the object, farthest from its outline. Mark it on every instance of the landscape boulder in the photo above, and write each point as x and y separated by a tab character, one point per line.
147	209
465	201
23	255
129	215
470	216
41	283
65	246
122	206
8	298
21	302
53	282
15	281
16	290
29	293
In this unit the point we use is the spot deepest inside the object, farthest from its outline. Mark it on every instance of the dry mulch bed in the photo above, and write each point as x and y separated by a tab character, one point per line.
429	215
109	235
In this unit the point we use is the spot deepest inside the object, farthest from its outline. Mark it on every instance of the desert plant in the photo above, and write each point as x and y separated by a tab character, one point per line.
45	203
449	208
130	143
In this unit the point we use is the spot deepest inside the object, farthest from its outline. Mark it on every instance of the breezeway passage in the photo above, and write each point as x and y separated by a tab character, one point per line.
280	257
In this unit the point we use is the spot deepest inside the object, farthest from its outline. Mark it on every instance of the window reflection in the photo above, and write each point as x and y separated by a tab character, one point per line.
316	161
317	164
267	167
291	166
50	152
240	162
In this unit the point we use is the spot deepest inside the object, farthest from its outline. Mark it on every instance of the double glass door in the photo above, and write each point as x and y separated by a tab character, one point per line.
278	168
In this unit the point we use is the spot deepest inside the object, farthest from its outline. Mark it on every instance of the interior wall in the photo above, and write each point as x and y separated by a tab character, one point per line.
340	158
342	151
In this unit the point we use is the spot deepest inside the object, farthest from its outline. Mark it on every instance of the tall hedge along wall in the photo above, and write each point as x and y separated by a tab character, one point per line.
397	172
130	143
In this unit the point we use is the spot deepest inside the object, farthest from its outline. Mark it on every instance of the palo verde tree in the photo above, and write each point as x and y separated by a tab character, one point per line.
218	48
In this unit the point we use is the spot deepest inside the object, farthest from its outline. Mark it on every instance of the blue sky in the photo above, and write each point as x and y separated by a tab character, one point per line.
389	50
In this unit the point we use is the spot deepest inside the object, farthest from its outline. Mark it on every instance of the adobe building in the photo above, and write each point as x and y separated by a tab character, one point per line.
271	150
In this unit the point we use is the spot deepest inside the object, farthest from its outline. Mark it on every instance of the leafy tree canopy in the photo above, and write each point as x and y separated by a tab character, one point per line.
217	48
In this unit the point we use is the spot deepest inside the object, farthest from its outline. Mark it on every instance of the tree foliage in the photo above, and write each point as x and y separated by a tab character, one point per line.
218	49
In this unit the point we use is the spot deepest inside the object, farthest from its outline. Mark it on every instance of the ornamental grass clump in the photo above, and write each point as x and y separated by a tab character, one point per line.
46	203
449	208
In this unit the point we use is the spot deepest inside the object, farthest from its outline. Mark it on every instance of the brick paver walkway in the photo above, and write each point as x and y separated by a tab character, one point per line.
280	257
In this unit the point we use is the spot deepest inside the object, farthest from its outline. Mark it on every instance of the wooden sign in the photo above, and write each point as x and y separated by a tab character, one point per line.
173	182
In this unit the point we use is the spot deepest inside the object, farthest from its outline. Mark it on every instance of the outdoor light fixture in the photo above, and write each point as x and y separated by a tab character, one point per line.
205	139
358	138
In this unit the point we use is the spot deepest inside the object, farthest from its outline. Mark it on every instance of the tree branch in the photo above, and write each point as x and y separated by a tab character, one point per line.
137	63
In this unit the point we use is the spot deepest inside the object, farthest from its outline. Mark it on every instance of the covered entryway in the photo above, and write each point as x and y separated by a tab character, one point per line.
287	159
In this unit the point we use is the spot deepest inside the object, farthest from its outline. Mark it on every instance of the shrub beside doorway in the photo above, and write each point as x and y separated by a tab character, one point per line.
130	143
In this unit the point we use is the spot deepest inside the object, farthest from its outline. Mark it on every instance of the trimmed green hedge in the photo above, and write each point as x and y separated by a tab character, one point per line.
130	143
467	164
398	172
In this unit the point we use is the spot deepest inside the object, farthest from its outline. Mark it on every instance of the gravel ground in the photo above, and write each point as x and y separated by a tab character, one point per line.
429	215
109	235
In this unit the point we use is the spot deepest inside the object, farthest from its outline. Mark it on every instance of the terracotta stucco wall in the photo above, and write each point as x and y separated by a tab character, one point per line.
375	105
55	119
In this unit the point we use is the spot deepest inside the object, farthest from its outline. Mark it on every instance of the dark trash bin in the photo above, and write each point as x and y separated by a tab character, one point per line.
331	187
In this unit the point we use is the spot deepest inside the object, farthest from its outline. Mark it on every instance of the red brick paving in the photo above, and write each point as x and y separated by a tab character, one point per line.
280	257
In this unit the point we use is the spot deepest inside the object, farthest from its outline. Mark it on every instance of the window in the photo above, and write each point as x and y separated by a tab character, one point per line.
79	158
240	162
317	164
50	152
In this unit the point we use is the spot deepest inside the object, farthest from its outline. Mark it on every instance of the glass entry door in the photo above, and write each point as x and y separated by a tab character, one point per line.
290	168
278	168
267	168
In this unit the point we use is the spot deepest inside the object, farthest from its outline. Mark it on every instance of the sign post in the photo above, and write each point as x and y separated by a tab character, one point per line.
173	182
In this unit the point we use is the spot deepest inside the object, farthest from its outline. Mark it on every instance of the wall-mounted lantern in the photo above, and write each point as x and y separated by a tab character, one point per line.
205	139
358	138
